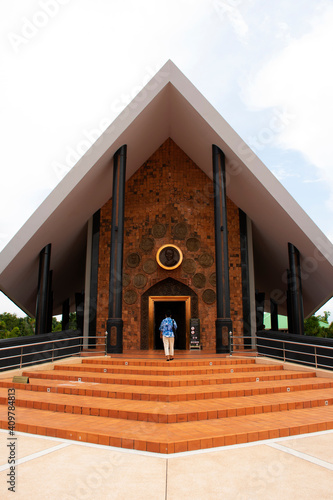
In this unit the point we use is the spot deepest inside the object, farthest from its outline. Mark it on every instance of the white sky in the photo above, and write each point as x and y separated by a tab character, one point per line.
68	67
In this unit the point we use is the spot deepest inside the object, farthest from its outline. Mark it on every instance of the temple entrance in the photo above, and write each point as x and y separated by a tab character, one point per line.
180	308
178	312
176	296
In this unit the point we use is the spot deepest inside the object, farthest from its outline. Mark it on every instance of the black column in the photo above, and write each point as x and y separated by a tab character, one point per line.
245	280
115	322
295	291
79	305
260	310
289	305
65	315
94	279
49	304
223	322
42	291
274	316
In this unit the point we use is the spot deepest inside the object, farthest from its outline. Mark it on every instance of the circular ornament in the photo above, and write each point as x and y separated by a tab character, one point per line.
169	257
147	244
150	266
180	231
126	279
133	260
199	280
193	244
206	260
189	266
158	230
209	296
212	279
140	280
130	297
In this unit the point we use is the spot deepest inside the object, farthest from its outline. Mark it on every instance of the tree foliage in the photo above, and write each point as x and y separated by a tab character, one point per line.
11	326
314	327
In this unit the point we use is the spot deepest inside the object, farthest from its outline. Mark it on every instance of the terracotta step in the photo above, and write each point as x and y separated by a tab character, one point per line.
174	437
160	381
93	352
176	362
166	394
149	404
168	370
172	412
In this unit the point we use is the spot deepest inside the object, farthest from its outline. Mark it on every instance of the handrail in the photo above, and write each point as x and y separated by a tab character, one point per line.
46	350
42	352
40	343
282	347
288	354
243	345
294	342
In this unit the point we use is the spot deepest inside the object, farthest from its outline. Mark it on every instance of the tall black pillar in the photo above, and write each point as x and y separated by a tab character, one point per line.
260	310
115	322
295	291
94	279
42	291
79	305
65	315
247	320
223	322
49	304
289	305
274	316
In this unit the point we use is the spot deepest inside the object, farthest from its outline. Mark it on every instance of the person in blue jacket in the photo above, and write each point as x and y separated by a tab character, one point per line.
167	328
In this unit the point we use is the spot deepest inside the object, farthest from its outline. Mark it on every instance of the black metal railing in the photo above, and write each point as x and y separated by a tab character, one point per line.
25	351
312	351
240	342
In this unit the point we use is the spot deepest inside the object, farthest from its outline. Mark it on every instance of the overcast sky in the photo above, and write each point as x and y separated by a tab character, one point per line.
68	67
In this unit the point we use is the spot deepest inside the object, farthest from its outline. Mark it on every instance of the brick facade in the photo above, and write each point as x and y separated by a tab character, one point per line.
169	201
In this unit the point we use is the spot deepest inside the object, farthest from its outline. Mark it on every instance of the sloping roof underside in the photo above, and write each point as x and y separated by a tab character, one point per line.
169	106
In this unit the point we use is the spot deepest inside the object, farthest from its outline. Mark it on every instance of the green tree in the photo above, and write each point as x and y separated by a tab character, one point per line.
324	317
329	331
312	326
12	326
56	325
72	321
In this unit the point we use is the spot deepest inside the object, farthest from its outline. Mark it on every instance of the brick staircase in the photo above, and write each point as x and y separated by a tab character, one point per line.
170	407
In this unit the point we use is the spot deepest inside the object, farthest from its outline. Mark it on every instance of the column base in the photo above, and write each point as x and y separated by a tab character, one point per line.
223	327
115	336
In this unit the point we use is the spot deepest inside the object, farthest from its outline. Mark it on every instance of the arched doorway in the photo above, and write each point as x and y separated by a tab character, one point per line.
180	308
167	294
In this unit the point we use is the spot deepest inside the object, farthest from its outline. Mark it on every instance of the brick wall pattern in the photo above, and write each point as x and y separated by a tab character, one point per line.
169	200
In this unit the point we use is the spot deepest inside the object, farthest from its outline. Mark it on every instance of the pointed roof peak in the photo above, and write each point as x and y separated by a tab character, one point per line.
168	106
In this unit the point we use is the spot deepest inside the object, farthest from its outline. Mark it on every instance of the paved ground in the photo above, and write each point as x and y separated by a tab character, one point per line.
284	468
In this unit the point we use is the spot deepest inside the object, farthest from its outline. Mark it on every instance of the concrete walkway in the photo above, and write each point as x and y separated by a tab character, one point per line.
285	468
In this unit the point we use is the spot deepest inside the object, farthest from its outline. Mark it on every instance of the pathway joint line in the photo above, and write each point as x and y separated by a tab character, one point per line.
36	455
301	455
166	479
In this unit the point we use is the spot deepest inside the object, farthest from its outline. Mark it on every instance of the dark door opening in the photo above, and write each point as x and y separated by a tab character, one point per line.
178	312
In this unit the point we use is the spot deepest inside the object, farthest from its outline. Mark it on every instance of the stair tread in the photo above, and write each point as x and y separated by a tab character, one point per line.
166	370
206	408
153	405
177	362
201	391
160	380
185	435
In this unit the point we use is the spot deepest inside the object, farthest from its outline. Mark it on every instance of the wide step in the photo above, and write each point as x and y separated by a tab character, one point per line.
165	407
174	437
148	411
170	381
